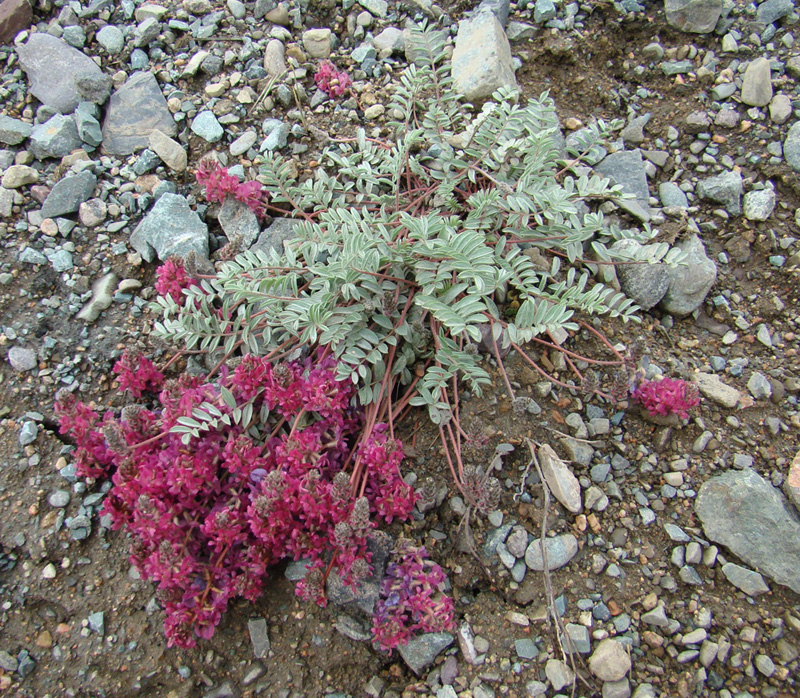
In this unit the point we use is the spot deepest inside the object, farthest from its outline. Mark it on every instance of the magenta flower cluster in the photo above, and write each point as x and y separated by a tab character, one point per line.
136	374
219	184
172	279
412	598
666	397
208	517
331	81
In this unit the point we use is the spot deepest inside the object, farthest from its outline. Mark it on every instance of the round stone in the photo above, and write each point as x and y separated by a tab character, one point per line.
610	661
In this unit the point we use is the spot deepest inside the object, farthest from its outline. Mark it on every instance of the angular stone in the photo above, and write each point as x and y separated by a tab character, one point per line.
390	39
102	297
791	147
725	189
672	195
89	129
15	15
134	111
759	204
645	284
421	651
68	194
60	74
773	10
13	131
272	238
560	550
610	661
18	176
626	168
755	521
560	479
169	150
711	385
558	674
259	638
238	220
757	83
482	57
751	583
689	282
693	16
791	486
170	228
55	138
243	143
206	126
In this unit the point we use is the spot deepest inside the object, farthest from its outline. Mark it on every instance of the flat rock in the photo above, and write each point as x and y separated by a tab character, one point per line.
482	57
560	479
610	661
13	131
22	359
751	583
243	143
134	111
558	674
170	151
60	75
257	627
171	228
15	15
626	168
754	520
18	176
560	550
773	10
690	282
693	16
421	651
272	238
672	195
238	220
68	194
55	138
791	147
725	189
712	387
757	83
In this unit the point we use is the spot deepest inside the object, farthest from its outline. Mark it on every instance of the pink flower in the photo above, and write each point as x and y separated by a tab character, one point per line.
667	396
330	80
219	184
172	279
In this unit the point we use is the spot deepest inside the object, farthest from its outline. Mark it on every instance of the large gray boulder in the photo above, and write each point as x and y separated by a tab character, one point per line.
754	520
693	16
171	228
134	111
690	282
482	57
60	75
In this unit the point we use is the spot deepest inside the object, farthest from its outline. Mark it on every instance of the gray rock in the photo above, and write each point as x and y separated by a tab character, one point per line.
134	111
633	133
97	622
102	297
757	83
379	8
390	38
558	674
55	138
18	176
560	550
645	284
519	31
759	204
577	639
111	39
89	129
259	638
780	108
317	42
482	57
560	479
577	451
170	151
6	202
751	583
744	512
688	575
237	9
31	256
28	433
61	260
759	386
690	282
610	661
421	651
243	143
275	58
693	16
60	75
499	8
670	68
171	228
277	135
626	168
672	195
791	147
713	388
58	499
697	122
237	219
617	689
206	126
146	32
13	131
773	10
656	616
68	194
725	189
22	359
273	238
544	11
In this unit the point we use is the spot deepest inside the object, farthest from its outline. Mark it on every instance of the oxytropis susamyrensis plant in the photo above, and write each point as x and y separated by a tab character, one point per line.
405	249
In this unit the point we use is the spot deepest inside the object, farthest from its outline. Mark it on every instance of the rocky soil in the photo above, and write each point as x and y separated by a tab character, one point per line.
674	548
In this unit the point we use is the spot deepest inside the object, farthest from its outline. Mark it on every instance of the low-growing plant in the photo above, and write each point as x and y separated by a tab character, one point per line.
333	82
666	396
